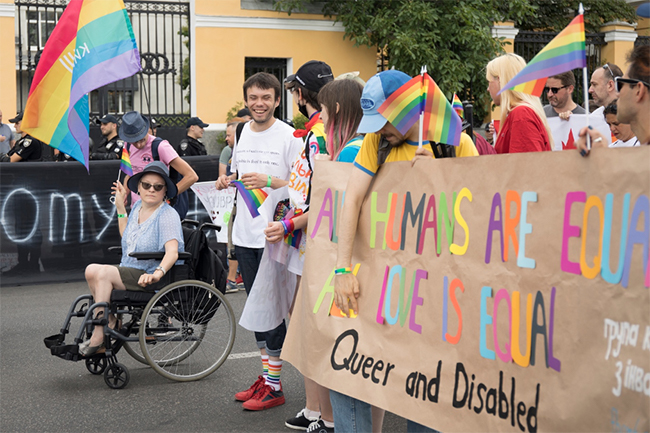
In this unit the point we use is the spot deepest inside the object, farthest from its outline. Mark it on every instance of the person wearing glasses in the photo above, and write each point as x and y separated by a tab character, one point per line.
190	145
523	124
602	87
633	104
152	226
559	91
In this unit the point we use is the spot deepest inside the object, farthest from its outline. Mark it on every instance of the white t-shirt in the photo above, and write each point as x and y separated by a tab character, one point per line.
270	152
632	142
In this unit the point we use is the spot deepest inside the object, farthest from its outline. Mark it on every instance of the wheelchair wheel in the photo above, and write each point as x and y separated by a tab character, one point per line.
187	330
116	376
96	365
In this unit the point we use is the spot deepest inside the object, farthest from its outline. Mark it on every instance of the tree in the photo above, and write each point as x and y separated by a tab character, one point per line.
553	16
452	37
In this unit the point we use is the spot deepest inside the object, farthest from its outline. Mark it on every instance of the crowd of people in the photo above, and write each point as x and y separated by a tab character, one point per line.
263	152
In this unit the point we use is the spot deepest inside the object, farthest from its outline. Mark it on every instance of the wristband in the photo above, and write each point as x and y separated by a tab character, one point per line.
121	215
268	181
160	268
284	225
342	271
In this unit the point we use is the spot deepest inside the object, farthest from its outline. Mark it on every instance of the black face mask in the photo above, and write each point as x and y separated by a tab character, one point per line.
303	110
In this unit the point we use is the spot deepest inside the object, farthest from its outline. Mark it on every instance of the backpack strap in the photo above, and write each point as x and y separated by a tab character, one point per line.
154	148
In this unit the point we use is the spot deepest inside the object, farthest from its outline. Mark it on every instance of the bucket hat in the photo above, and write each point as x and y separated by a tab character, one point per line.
134	127
158	168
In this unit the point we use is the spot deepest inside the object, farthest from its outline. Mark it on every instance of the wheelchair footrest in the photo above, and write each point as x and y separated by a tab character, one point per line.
69	352
54	340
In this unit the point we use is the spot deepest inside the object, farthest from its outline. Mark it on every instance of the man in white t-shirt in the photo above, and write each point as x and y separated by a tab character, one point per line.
261	158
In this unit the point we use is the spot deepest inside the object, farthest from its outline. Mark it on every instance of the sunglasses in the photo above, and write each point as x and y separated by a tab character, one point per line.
554	89
606	67
631	81
156	186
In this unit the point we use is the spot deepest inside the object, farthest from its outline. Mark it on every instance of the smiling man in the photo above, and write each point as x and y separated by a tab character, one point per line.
261	158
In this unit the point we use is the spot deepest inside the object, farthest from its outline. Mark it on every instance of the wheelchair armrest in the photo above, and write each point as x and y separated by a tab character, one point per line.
210	226
189	222
158	255
116	250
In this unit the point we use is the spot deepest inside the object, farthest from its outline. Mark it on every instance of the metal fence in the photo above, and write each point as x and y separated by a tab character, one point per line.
528	44
160	89
641	41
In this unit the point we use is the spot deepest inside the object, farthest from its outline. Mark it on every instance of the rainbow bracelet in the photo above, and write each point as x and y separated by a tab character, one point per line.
342	271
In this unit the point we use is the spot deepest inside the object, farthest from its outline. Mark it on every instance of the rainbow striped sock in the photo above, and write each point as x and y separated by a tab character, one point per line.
273	379
265	366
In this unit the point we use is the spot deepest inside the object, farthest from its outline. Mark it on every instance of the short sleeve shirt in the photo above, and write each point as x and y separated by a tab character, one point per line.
150	236
5	131
140	158
366	159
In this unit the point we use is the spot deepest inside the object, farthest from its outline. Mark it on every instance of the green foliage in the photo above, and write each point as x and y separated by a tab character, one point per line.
221	139
553	16
452	37
232	113
184	78
299	121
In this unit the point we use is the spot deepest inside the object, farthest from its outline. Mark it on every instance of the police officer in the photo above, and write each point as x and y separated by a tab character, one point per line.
27	148
111	145
190	145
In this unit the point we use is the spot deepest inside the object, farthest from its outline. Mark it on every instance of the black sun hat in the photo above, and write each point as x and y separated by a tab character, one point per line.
158	168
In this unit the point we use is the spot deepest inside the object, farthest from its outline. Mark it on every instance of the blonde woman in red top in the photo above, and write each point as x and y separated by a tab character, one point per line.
523	123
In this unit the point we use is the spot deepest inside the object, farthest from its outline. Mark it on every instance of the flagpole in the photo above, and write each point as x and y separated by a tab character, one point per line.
585	87
420	132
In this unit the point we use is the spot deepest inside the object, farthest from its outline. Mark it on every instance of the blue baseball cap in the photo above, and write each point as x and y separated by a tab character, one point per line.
376	91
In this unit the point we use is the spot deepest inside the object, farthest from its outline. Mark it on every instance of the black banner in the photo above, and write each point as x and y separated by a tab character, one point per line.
56	218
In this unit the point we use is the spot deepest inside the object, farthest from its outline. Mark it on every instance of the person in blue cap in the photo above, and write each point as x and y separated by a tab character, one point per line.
383	143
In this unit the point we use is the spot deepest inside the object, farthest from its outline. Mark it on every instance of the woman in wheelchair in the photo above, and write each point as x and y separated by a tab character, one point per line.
153	225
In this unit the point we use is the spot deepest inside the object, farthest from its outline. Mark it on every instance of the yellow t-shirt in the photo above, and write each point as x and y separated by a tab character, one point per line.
367	157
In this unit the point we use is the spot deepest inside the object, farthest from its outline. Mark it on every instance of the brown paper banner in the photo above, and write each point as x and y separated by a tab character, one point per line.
556	337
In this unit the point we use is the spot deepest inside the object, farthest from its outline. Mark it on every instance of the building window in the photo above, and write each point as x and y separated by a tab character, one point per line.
40	25
273	66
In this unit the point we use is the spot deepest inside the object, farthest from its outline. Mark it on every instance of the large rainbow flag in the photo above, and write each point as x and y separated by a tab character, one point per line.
565	52
422	95
92	45
252	197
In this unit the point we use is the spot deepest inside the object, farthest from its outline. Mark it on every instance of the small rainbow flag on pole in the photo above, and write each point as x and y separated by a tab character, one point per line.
402	109
125	165
421	97
252	197
458	106
93	44
565	52
440	120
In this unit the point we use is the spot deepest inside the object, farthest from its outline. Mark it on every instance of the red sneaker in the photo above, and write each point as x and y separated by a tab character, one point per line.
250	392
239	281
265	398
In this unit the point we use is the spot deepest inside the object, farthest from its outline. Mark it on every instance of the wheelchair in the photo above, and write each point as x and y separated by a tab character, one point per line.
181	327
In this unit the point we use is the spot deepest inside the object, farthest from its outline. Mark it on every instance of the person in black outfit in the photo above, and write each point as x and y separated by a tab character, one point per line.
27	148
190	145
111	146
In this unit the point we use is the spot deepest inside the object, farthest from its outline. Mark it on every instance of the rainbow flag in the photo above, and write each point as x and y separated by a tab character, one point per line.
565	52
441	123
125	165
252	197
402	109
92	45
458	106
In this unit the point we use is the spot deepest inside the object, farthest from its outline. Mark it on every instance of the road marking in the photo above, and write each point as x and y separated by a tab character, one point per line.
243	355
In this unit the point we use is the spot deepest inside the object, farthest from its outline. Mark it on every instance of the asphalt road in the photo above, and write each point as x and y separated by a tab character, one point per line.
40	392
